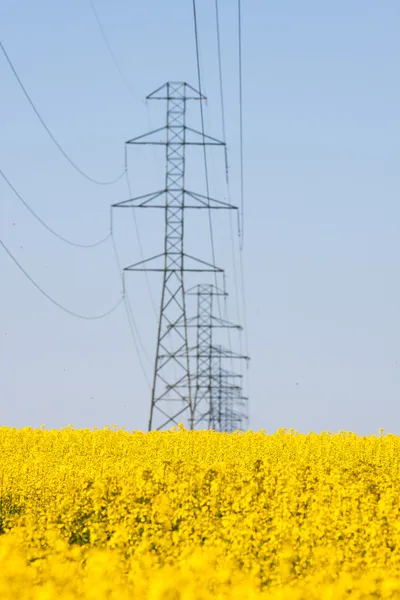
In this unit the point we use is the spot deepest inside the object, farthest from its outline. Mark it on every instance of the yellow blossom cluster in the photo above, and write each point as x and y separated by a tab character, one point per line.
196	515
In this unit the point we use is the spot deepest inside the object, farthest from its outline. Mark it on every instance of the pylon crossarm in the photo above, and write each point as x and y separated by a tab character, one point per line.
216	322
224	353
205	290
202	262
207	202
175	87
131	202
137	140
212	142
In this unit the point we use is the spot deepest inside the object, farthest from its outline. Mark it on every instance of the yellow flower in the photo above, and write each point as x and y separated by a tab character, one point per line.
196	515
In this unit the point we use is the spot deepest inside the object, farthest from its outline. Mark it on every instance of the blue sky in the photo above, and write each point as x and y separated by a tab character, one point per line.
321	254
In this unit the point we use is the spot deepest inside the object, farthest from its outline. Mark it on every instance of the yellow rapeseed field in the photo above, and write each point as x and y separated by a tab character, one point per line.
180	515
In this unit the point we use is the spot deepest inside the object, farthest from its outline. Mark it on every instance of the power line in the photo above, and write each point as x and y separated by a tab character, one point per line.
241	267
241	124
136	337
221	90
71	162
204	147
224	138
120	270
124	299
244	302
127	84
129	315
131	320
221	87
110	50
57	235
46	295
233	252
241	227
139	237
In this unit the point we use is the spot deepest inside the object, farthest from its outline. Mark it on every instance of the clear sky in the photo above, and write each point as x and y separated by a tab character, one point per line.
322	212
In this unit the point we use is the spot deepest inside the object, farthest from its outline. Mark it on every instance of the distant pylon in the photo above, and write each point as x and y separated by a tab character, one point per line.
217	402
203	380
231	407
172	395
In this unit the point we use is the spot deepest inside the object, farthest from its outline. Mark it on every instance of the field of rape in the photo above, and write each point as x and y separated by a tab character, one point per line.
181	515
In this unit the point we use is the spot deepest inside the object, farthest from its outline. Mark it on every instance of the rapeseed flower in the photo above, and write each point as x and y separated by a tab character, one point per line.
198	515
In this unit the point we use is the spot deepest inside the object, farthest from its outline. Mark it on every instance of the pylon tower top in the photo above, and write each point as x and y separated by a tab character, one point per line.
176	90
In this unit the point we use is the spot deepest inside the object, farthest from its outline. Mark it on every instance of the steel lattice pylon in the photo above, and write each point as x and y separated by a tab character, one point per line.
218	403
204	378
231	414
172	390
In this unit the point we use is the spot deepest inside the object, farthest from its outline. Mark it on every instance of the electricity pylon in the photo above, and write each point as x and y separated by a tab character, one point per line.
171	394
204	378
214	396
227	410
231	406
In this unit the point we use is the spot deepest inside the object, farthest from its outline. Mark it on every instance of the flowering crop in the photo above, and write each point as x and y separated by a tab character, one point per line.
179	515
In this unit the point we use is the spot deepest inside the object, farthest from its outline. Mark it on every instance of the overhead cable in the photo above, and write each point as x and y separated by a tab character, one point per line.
136	337
66	156
241	234
110	50
244	306
46	295
243	317
224	138
139	239
196	35
241	230
57	235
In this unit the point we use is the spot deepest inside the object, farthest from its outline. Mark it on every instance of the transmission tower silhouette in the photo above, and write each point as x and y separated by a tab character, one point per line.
209	378
172	396
231	412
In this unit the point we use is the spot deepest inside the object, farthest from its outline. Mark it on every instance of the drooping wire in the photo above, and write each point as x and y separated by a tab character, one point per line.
85	317
66	156
196	35
221	86
241	229
246	336
221	90
125	299
46	295
224	138
110	50
241	232
241	268
139	240
136	337
57	235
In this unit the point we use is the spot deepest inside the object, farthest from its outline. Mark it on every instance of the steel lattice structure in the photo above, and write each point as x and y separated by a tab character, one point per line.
231	406
204	377
172	395
218	403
